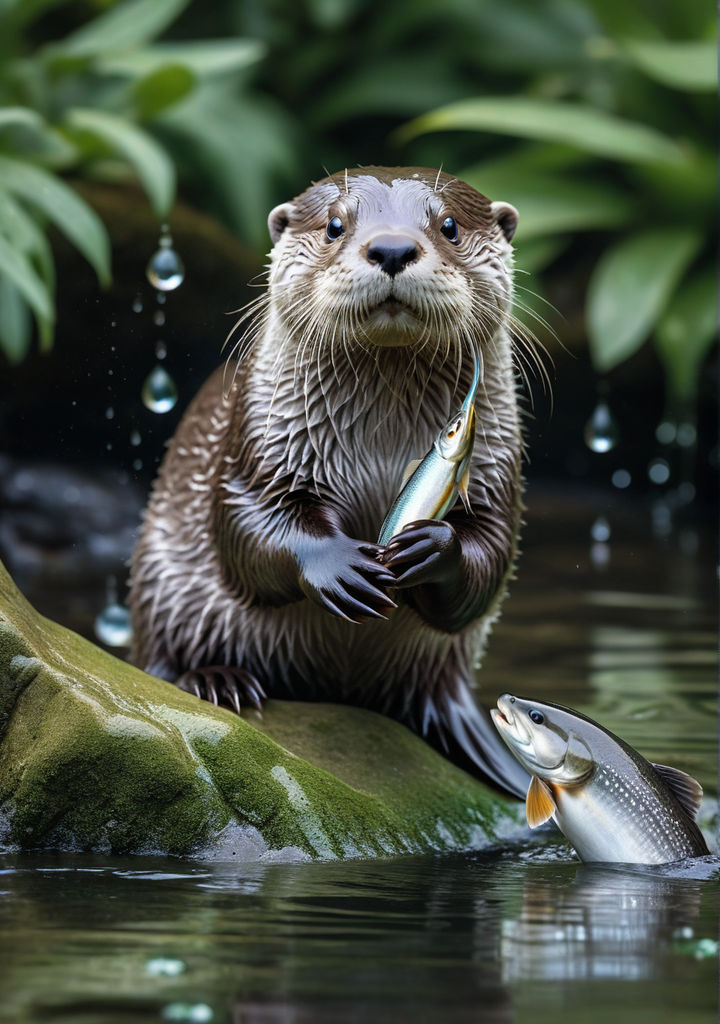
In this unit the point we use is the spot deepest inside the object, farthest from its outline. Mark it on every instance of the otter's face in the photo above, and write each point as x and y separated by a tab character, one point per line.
391	257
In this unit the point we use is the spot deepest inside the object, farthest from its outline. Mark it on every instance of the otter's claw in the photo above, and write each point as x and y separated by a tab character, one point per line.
223	685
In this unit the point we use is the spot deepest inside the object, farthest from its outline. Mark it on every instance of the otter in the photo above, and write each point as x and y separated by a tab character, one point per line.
256	573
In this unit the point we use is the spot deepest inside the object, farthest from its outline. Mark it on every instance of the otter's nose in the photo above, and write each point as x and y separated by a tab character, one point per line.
392	252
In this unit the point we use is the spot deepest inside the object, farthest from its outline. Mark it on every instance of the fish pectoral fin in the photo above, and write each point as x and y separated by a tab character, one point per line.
686	790
539	804
409	470
463	490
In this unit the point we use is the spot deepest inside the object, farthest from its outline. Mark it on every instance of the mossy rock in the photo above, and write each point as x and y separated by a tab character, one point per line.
97	755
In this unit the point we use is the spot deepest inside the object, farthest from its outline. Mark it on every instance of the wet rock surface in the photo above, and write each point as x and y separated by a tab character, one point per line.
97	755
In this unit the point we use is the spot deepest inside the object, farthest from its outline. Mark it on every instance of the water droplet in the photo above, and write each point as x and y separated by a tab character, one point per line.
108	446
135	438
686	435
188	1013
165	965
600	530
159	317
159	392
601	430
621	479
109	413
165	269
686	492
160	350
137	306
659	471
661	519
665	432
161	298
112	625
138	464
600	555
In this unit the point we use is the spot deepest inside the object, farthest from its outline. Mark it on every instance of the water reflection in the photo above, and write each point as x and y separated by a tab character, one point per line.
441	939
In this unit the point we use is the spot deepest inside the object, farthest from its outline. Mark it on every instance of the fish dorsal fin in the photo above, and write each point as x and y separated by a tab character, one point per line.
409	470
539	805
686	790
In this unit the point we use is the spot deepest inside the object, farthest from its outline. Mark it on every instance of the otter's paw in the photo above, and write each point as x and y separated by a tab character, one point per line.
345	577
426	551
231	687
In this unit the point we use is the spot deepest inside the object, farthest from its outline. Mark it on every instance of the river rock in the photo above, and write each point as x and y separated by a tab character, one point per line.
96	755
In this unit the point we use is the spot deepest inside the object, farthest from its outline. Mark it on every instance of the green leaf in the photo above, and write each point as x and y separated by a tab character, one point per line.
552	204
690	65
152	164
685	333
206	58
15	322
12	117
161	89
19	271
534	255
584	127
25	234
631	286
124	26
70	214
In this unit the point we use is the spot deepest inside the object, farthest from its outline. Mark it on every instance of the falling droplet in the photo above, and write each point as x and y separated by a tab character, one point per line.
165	269
112	625
161	298
160	350
109	413
659	471
159	392
665	432
686	435
601	430
661	519
600	530
135	438
600	555
159	317
165	965
621	479
137	465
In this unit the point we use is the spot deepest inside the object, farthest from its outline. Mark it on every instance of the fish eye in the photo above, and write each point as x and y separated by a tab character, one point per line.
536	716
334	228
452	432
449	228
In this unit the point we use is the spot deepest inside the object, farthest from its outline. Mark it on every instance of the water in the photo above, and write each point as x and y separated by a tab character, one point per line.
523	933
159	392
112	626
165	270
601	430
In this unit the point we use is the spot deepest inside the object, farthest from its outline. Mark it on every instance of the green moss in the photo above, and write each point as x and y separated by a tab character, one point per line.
98	755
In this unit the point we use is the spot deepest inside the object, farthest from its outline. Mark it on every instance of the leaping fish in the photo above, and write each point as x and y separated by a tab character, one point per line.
431	484
611	803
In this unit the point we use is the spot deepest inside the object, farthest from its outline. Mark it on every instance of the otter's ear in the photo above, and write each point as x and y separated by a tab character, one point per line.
506	217
279	219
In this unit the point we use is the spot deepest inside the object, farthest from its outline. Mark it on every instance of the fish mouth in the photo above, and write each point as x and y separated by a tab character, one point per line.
508	724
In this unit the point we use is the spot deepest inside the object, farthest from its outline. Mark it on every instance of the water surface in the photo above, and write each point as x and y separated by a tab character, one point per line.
522	933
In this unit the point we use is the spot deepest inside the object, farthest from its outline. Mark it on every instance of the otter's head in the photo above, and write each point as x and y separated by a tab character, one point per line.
389	257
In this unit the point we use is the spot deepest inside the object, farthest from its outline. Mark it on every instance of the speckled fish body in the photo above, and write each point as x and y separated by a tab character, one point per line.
429	492
610	803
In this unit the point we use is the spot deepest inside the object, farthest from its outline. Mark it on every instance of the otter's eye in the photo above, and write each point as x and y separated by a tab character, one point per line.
449	228
334	228
536	716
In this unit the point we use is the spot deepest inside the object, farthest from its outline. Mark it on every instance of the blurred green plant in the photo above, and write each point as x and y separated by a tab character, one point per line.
637	161
595	118
85	105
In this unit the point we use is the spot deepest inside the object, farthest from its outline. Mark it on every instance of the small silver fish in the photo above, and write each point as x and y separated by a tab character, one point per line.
610	803
431	485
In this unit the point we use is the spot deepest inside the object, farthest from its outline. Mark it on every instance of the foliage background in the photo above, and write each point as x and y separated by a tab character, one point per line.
594	117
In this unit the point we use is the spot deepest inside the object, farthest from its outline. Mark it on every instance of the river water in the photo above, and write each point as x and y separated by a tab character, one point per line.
623	631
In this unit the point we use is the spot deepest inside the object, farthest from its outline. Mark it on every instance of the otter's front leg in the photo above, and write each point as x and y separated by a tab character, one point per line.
450	570
344	577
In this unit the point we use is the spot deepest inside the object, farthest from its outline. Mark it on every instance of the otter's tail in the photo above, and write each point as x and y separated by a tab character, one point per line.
455	725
